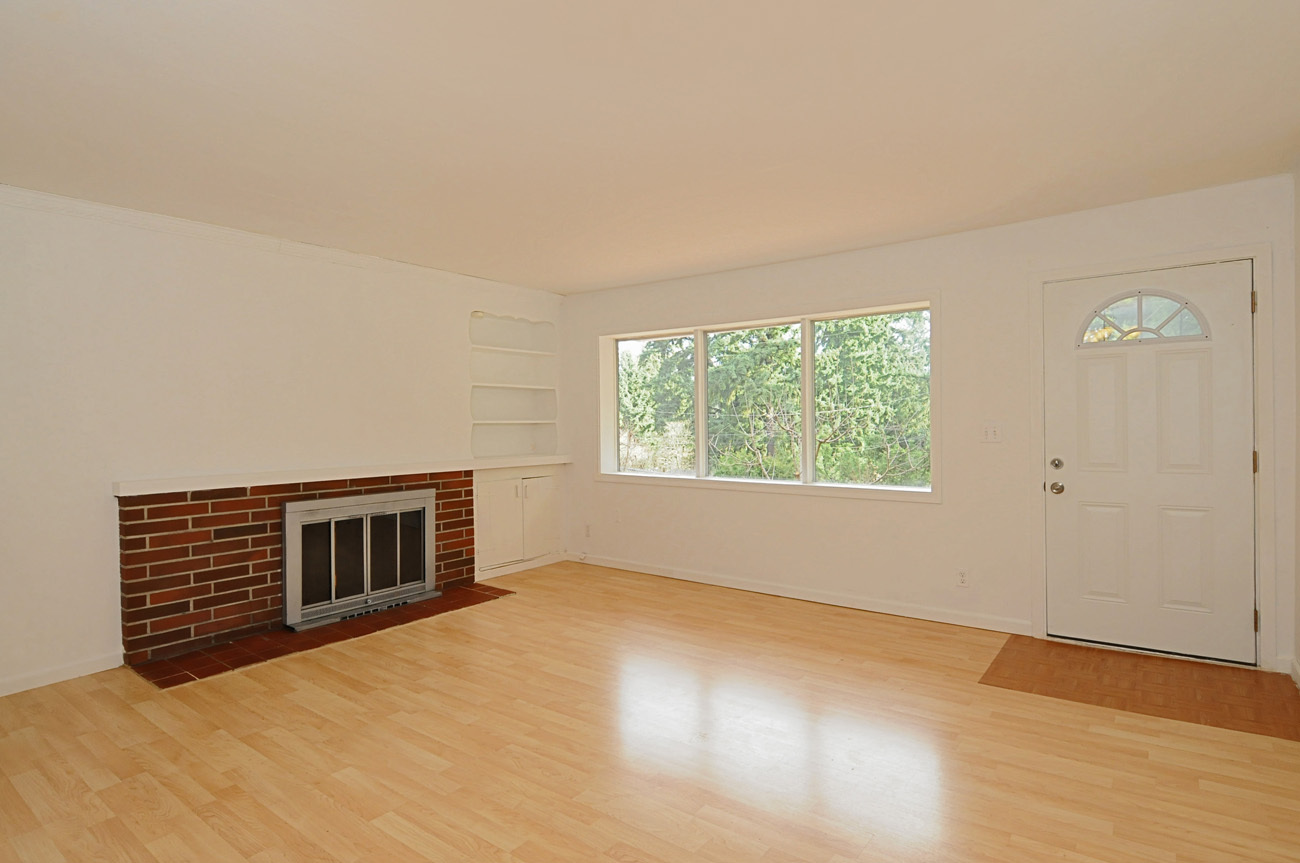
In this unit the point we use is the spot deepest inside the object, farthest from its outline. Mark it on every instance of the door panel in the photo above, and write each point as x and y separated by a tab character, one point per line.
1149	406
541	517
498	519
1103	414
1184	418
1186	554
1103	529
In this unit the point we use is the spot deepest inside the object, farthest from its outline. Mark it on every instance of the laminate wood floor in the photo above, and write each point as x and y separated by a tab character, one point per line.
603	715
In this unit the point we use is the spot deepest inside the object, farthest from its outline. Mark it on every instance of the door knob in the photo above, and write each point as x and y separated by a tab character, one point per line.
1057	488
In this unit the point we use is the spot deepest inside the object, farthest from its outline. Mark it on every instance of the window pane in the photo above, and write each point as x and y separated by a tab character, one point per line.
1123	312
1185	324
656	405
1156	310
1100	331
872	378
754	413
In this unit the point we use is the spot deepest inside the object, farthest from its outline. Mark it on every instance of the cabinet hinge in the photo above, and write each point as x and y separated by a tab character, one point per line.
1254	302
1257	620
1255	461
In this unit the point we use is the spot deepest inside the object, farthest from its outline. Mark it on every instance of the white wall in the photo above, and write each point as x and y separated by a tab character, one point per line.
136	347
1295	663
897	556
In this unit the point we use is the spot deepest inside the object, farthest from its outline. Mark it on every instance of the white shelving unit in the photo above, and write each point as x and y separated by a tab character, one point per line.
512	380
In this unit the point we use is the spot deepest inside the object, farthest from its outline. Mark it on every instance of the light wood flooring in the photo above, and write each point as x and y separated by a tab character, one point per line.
599	715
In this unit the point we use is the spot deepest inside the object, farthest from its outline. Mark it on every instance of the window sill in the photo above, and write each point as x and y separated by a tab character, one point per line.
892	493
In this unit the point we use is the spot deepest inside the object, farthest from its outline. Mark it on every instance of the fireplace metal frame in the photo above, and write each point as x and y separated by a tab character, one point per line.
298	513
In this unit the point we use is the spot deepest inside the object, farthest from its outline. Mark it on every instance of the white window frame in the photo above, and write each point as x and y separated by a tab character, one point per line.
609	467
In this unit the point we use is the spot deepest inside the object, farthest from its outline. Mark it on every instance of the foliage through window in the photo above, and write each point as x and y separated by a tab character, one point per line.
754	404
864	419
656	405
872	378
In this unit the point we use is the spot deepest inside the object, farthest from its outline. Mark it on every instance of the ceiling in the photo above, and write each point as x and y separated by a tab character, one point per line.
572	145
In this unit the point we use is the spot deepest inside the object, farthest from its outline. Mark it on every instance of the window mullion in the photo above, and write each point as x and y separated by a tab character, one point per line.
807	403
701	403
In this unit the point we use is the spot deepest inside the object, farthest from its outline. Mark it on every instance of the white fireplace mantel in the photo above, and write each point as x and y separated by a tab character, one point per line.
130	488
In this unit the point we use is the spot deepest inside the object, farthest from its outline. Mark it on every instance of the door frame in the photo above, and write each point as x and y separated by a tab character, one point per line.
1270	545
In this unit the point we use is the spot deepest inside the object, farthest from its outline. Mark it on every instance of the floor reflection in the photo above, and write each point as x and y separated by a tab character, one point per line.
768	747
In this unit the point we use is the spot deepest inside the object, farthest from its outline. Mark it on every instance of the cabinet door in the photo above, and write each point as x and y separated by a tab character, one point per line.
541	516
498	523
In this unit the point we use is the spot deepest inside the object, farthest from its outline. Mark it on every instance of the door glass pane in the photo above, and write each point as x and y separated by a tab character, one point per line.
656	405
1185	324
316	563
754	412
1100	331
412	546
383	551
1157	310
872	378
1124	312
349	557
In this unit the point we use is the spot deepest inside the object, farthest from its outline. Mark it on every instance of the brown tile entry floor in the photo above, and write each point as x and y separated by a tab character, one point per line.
1241	699
164	673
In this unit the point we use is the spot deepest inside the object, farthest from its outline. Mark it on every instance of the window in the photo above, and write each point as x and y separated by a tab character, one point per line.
872	378
1138	317
754	403
837	400
656	405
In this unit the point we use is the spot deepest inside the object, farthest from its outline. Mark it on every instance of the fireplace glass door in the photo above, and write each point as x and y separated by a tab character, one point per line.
359	556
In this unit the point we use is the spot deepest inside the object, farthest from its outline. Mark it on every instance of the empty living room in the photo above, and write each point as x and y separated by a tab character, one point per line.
710	432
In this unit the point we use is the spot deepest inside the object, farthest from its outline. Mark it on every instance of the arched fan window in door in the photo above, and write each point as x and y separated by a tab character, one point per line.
1142	317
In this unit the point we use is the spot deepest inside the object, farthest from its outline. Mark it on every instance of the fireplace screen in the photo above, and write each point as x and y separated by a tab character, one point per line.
349	556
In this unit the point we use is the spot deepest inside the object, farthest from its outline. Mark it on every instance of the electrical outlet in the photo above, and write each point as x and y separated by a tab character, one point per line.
963	578
588	531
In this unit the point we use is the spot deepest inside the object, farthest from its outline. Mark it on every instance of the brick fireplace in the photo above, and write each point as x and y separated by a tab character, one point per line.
204	567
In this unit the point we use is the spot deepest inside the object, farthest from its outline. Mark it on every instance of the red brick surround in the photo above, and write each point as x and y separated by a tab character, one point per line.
205	567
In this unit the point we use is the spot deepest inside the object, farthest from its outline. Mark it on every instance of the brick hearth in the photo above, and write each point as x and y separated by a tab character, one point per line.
204	567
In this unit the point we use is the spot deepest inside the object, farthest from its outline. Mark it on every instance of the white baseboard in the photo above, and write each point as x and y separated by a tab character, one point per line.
1295	670
46	676
826	597
519	566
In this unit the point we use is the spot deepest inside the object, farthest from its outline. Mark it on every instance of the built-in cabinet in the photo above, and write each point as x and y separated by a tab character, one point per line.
512	386
516	519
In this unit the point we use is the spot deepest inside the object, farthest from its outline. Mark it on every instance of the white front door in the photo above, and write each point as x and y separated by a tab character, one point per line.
1148	418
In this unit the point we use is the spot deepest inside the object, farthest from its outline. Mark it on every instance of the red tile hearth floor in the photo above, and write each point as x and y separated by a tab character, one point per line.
165	673
1240	699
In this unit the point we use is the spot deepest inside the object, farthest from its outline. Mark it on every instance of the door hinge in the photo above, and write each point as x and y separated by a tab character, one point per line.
1257	620
1255	461
1254	302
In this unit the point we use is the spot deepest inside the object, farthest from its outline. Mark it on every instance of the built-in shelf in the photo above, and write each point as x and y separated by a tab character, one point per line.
512	386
